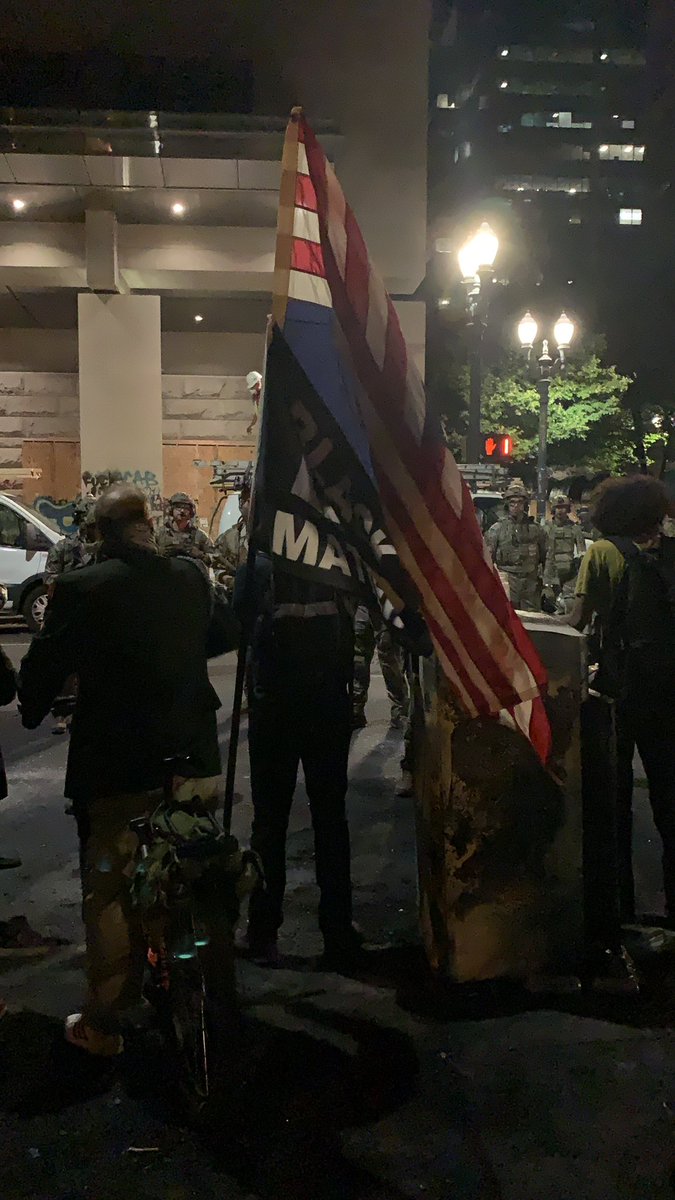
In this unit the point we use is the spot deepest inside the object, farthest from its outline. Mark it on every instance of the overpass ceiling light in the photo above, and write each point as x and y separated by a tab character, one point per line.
18	205
178	209
198	317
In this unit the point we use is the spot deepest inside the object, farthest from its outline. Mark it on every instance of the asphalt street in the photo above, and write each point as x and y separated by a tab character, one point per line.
361	1092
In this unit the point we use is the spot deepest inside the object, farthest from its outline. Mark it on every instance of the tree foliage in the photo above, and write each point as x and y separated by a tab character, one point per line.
588	426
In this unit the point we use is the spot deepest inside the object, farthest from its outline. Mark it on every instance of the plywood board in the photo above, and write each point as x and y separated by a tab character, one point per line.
59	462
181	475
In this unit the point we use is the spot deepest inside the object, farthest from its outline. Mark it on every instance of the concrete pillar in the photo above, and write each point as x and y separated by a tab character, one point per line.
121	387
100	240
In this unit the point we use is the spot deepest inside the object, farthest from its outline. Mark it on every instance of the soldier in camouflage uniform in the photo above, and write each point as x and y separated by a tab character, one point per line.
180	533
517	544
77	549
231	549
566	546
392	662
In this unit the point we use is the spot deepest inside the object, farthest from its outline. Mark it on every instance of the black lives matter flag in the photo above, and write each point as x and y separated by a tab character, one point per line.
317	507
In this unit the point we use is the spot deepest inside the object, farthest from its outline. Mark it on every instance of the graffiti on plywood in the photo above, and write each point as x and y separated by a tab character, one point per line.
60	512
147	481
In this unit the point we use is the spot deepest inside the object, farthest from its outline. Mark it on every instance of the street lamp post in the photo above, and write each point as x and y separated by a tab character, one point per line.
563	332
476	261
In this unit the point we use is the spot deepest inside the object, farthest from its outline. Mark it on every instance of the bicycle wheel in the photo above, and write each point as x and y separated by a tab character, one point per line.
201	1004
186	1021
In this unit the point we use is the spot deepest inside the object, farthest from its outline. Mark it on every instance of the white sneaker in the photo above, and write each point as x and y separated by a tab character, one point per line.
78	1033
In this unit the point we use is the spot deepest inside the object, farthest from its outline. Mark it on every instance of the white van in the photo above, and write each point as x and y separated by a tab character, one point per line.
25	541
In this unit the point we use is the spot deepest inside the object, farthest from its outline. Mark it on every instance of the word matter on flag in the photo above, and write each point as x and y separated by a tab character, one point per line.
355	485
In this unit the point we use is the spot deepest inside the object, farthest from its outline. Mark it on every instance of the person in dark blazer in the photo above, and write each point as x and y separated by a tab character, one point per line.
135	629
7	694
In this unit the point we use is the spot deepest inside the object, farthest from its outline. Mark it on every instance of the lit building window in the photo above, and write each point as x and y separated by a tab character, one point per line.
544	183
628	124
630	216
554	120
503	53
504	84
574	220
466	149
622	152
442	100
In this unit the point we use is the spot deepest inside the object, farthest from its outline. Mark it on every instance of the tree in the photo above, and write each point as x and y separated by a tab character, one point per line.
588	426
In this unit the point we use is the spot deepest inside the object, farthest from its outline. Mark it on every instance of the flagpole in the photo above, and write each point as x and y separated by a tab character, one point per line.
282	266
247	599
235	720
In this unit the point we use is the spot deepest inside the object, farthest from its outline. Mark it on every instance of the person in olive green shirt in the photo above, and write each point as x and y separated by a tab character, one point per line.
600	571
628	514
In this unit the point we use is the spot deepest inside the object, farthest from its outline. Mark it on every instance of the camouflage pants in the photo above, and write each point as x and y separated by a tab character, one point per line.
115	937
525	592
392	662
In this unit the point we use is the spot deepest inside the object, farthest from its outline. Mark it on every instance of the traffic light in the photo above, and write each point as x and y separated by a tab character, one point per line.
497	447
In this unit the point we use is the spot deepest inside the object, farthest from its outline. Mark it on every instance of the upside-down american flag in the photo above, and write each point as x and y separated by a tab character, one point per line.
353	471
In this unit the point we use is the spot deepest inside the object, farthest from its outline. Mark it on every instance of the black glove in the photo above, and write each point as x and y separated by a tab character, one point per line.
414	635
548	602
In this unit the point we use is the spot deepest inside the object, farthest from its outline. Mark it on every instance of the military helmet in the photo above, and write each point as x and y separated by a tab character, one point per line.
83	509
182	500
557	498
516	490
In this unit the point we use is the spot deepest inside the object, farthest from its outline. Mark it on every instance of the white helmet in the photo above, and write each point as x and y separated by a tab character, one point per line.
253	379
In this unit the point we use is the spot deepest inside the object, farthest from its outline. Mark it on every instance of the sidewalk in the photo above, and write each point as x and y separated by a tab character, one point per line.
362	1090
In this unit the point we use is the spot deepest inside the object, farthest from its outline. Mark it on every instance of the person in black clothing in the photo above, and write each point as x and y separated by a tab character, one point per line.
16	936
302	657
134	628
7	694
629	582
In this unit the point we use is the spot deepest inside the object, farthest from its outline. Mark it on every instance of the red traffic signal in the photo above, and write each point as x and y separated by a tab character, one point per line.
497	447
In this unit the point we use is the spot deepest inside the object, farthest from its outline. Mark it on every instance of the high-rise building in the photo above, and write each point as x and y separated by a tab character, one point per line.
538	126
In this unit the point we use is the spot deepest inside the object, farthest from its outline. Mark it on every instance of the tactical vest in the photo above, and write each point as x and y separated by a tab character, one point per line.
564	548
517	546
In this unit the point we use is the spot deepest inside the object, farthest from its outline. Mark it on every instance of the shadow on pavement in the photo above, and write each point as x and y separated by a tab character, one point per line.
39	1072
295	1091
274	1127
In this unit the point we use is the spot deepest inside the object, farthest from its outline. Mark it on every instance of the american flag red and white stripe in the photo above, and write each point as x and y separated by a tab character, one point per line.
322	259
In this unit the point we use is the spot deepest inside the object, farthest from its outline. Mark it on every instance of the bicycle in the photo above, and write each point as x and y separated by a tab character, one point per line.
190	877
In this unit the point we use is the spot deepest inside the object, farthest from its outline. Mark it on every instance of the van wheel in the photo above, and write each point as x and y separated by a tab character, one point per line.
34	607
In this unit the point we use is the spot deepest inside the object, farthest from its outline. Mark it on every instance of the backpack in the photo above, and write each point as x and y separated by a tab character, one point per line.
638	650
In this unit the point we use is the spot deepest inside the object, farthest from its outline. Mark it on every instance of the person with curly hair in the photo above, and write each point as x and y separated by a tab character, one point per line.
626	583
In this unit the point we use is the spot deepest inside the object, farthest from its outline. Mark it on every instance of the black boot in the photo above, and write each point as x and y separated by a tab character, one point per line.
343	950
